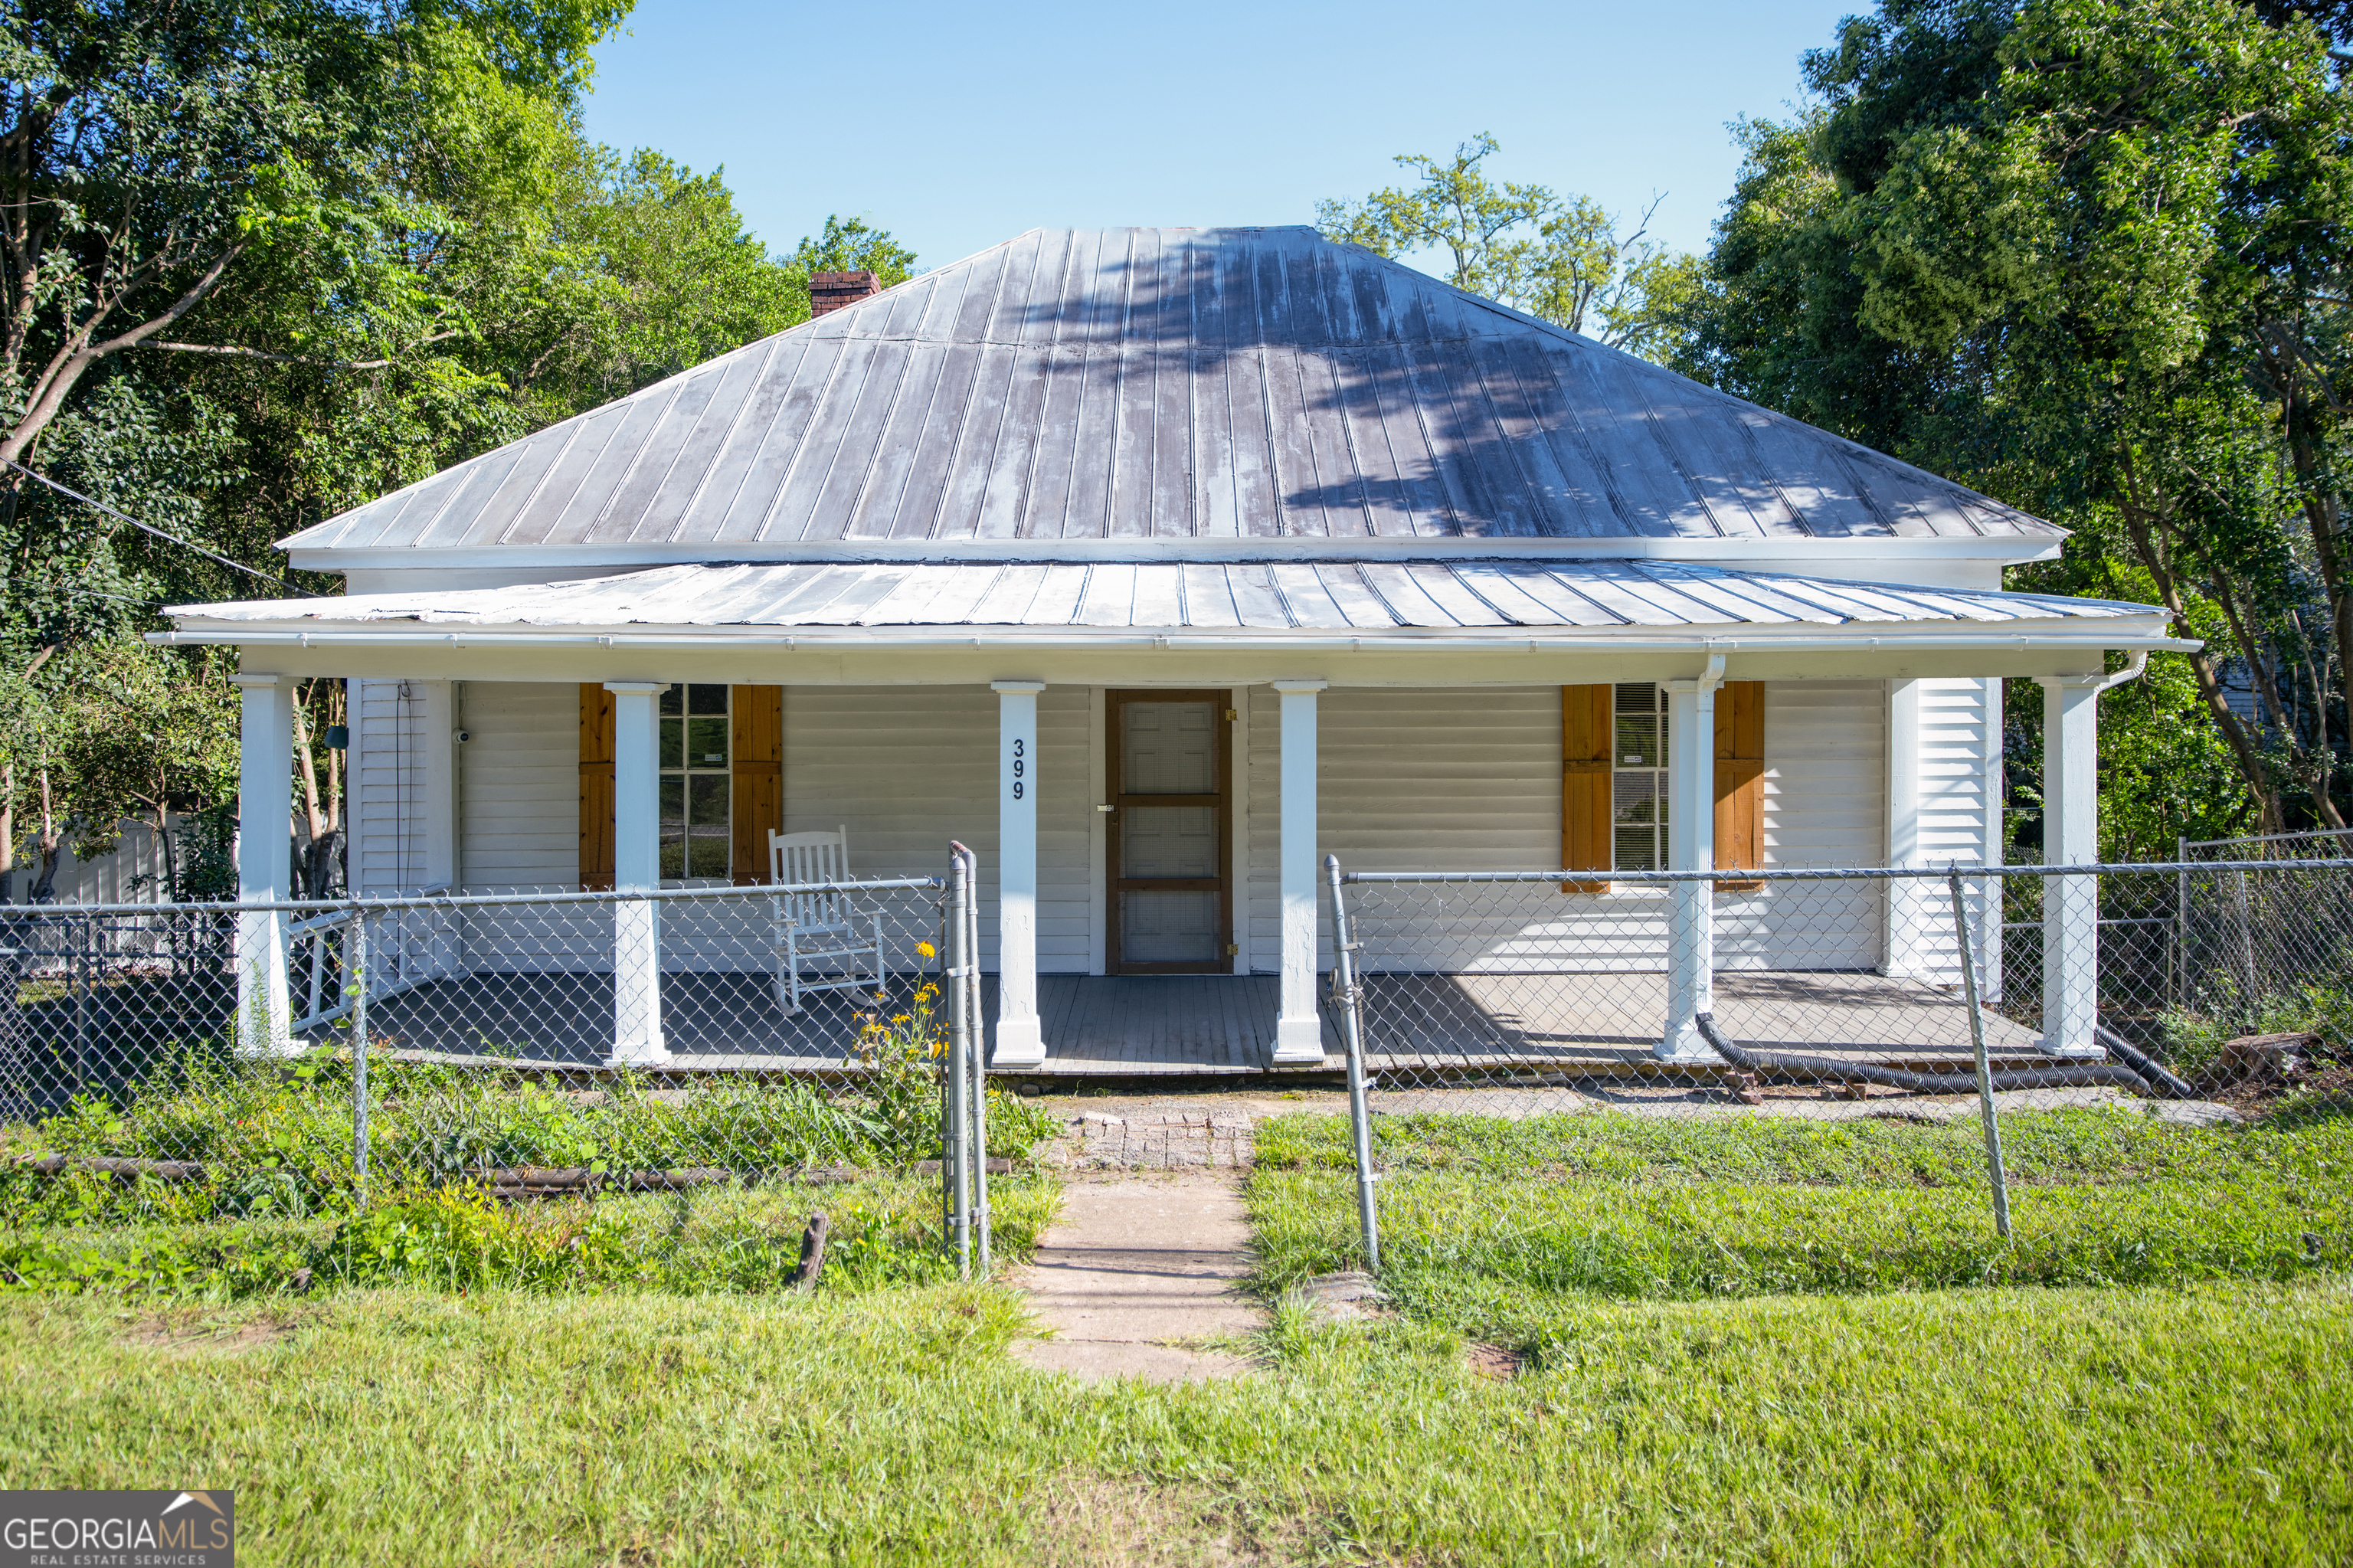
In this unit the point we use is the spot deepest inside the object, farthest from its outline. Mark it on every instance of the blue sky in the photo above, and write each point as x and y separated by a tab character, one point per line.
958	126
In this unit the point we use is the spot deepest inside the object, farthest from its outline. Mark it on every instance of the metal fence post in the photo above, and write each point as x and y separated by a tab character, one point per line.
952	1150
1347	993
2181	955
355	979
78	983
978	1040
1968	953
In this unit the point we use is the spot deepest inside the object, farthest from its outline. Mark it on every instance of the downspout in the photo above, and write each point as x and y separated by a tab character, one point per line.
2136	661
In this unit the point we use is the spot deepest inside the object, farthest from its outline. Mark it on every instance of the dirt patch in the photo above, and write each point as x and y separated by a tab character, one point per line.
1099	1522
190	1335
1491	1360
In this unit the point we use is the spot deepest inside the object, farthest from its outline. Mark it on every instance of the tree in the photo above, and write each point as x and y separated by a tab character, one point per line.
1562	259
853	247
2089	255
395	250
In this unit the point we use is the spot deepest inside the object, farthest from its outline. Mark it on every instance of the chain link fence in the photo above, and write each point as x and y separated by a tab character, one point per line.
302	1061
2221	988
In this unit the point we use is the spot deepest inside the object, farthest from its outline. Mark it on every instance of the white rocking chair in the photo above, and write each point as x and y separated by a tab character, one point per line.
831	938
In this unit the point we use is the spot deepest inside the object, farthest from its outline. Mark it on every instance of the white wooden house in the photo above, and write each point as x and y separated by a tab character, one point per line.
1156	564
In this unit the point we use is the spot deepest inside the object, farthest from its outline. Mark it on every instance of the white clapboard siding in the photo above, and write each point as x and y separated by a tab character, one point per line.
401	785
1956	784
1066	813
1825	790
1960	781
520	797
906	769
1463	778
1469	779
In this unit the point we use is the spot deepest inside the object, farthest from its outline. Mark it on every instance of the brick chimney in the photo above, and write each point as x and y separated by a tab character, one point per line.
829	292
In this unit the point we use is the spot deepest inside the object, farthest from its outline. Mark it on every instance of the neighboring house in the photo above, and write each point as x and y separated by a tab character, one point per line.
1156	565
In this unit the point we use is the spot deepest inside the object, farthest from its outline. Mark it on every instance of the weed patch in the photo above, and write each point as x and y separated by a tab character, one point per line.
885	1232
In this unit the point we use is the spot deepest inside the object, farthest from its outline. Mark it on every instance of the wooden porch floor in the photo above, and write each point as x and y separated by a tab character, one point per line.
1136	1026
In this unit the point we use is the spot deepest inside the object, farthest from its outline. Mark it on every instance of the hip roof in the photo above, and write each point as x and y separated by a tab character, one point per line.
1158	384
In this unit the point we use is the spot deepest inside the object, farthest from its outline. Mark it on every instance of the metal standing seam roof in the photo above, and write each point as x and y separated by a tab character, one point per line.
1366	596
1162	384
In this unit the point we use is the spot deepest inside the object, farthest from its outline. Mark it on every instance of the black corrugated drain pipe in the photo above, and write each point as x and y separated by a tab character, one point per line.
2081	1075
2166	1086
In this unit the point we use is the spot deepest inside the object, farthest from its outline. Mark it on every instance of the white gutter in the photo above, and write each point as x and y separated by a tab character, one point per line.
559	559
1614	639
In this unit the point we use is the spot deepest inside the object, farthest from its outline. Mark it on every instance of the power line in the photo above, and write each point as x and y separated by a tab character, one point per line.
171	538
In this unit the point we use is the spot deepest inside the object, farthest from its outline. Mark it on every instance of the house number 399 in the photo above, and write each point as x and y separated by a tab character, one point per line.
1019	767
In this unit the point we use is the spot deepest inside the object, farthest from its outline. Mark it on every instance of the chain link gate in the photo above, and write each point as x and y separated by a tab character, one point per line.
1516	994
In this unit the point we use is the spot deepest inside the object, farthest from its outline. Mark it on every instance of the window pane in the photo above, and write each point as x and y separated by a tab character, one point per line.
709	855
673	801
706	700
673	856
1638	812
1639	744
706	742
708	791
674	743
673	700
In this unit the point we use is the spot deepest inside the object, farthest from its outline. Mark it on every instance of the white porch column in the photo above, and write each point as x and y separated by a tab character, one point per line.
1691	846
1299	1028
2071	836
637	867
1019	1042
265	843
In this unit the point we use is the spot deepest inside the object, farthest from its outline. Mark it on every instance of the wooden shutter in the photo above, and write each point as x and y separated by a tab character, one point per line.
1740	779
1585	784
759	787
595	787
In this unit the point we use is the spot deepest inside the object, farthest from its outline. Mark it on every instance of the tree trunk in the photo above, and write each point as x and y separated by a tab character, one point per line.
45	886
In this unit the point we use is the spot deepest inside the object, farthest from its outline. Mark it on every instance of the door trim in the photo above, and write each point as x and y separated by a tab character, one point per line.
1221	772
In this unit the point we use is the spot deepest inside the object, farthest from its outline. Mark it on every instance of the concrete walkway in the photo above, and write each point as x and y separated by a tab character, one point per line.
1138	1271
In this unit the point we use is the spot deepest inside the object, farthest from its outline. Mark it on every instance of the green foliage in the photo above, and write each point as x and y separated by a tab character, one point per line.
885	1232
2088	256
1562	259
276	1139
387	248
2193	1037
853	247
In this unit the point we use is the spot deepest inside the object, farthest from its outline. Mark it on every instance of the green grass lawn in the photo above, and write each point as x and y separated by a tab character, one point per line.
2187	1425
1741	1340
1626	1206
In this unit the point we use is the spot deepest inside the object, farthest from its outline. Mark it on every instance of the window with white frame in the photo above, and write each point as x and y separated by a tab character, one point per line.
1638	776
697	782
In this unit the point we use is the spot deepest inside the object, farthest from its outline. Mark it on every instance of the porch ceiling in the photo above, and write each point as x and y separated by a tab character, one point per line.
1028	602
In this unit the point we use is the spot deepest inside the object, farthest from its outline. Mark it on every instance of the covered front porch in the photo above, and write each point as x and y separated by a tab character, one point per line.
1325	709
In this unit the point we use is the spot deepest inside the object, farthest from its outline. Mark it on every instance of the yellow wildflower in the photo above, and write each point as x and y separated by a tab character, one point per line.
927	950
